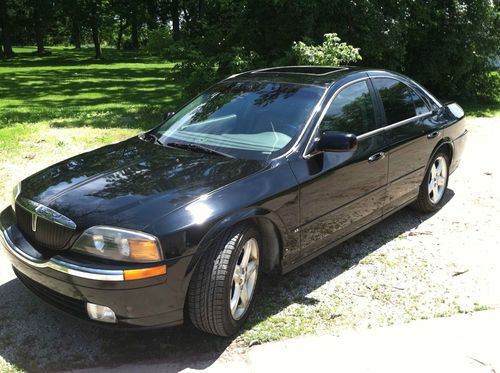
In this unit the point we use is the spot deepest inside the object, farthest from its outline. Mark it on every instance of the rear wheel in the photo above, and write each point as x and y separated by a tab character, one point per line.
435	182
222	290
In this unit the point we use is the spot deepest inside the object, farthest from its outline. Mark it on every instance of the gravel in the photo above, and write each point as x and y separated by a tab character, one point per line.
411	266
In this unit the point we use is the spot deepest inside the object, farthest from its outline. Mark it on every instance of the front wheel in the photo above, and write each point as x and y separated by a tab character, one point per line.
435	182
222	289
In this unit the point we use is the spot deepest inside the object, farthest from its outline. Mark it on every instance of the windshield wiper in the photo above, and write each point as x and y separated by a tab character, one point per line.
197	147
149	137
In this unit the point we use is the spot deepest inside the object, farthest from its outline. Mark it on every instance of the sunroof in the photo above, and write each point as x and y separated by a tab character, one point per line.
307	70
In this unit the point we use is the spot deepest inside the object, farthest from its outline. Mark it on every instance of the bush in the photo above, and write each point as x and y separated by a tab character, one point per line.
159	41
198	71
332	52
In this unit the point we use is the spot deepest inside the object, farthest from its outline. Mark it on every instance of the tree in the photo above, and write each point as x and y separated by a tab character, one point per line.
72	8
6	30
332	52
95	7
175	14
42	10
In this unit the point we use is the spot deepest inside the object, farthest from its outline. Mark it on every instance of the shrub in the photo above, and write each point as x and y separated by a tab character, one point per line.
159	41
332	52
198	71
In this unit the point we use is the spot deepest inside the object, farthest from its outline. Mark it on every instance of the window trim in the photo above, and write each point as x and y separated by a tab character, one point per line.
394	125
306	154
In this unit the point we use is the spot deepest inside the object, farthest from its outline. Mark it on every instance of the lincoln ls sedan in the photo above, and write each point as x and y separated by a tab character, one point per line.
258	174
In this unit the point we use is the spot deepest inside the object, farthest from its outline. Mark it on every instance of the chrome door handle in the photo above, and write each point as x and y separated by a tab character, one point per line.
376	157
433	134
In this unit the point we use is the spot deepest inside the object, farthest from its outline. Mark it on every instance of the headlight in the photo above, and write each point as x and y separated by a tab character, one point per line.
119	244
15	193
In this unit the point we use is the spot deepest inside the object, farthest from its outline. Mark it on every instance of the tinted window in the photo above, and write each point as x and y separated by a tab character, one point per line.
420	105
398	100
351	111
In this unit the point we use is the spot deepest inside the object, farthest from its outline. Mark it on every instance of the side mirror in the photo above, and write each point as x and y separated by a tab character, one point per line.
332	141
168	114
438	111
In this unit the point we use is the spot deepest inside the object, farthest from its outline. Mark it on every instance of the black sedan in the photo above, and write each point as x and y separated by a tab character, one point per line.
258	174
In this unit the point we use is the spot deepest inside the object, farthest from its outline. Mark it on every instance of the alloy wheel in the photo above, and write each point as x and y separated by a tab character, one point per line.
244	279
437	179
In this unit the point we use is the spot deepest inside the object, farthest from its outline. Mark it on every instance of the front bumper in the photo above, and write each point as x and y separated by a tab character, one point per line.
69	285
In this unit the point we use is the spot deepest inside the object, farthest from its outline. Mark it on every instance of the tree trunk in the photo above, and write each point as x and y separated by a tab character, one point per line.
120	34
5	26
201	9
95	28
39	29
152	15
77	32
175	19
97	41
135	29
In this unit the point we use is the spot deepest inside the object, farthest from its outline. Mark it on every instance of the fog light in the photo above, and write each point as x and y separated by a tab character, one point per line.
101	313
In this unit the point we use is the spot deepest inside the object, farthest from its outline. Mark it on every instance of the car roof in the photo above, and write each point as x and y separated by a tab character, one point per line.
323	76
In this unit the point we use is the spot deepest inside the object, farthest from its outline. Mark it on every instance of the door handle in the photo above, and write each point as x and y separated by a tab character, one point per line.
376	157
433	134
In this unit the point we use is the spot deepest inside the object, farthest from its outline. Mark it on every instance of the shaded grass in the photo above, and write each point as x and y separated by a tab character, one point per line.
55	106
489	110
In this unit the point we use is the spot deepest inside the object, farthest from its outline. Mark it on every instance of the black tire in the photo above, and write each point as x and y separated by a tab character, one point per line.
424	202
211	286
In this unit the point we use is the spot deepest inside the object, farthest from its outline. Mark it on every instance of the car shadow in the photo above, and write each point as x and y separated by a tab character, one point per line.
34	337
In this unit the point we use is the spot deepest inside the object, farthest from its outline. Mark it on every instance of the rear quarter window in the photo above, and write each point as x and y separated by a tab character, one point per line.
400	101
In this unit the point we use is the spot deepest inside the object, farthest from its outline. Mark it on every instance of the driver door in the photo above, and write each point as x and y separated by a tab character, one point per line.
341	192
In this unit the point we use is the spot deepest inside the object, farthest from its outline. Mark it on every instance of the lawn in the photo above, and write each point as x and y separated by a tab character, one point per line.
57	106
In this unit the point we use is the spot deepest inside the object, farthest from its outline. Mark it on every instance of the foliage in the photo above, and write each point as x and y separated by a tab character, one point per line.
198	71
447	45
159	41
332	52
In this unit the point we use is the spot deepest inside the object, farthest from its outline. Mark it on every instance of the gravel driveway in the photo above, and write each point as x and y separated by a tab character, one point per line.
408	267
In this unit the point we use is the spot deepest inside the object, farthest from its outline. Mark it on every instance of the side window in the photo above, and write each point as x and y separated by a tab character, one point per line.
400	101
351	111
420	105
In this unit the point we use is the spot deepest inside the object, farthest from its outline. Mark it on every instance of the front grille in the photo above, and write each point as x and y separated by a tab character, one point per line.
48	235
58	300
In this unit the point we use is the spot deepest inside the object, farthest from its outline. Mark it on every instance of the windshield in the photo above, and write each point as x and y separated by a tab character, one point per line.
247	119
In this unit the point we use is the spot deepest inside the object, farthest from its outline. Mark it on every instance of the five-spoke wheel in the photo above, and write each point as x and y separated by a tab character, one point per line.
244	278
435	182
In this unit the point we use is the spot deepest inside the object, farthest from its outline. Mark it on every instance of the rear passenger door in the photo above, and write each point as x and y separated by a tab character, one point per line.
409	136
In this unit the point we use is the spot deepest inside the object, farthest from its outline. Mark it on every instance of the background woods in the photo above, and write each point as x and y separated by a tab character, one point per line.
452	46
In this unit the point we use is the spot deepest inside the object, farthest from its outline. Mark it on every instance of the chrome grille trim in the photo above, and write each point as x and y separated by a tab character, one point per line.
41	211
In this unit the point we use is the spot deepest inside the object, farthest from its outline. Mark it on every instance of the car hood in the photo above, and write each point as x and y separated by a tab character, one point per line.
130	184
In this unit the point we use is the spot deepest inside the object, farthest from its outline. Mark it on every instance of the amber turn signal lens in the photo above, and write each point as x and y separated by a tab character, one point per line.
137	274
143	251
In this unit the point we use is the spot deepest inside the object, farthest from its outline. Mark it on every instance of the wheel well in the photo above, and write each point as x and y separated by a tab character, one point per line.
271	242
448	148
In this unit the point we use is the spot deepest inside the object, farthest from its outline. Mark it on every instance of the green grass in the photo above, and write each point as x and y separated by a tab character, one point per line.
55	106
